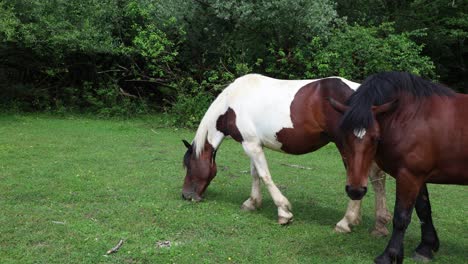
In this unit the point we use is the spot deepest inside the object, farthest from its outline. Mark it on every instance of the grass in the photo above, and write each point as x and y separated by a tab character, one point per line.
71	187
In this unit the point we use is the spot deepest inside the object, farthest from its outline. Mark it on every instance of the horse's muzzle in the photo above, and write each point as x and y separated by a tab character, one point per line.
191	196
356	193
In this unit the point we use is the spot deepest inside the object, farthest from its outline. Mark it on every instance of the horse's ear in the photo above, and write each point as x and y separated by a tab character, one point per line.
390	106
187	145
337	105
213	158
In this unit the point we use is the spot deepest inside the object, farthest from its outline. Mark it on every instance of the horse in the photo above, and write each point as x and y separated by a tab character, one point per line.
290	116
416	131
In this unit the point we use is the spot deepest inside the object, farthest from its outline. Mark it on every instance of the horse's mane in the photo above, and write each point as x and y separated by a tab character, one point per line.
208	122
382	88
186	161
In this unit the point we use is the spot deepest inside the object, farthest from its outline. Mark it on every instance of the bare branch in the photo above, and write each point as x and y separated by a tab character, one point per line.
297	166
106	71
156	81
127	94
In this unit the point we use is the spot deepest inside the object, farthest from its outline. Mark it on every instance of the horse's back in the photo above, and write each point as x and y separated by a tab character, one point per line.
263	106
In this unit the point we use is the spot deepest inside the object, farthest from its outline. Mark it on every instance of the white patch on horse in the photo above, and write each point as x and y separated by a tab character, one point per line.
360	133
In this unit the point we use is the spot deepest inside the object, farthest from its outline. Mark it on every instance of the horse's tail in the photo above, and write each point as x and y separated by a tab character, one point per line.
208	122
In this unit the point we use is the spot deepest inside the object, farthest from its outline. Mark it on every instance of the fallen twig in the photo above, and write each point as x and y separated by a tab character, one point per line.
163	244
297	166
116	248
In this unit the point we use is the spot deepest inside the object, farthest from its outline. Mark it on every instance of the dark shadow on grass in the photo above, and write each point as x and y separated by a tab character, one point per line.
310	212
359	242
307	211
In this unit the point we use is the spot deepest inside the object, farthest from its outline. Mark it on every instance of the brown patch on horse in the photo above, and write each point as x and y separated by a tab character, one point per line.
226	124
315	123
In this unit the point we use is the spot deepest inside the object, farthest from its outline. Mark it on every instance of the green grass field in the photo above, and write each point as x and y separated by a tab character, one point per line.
71	187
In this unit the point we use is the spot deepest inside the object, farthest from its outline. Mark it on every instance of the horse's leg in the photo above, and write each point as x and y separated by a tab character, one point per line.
255	152
352	217
429	239
382	215
407	190
255	199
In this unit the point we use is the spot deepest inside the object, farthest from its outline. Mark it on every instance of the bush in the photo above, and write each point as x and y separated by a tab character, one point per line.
79	55
190	104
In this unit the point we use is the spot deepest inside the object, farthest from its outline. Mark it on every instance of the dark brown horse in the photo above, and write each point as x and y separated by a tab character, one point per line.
416	131
291	116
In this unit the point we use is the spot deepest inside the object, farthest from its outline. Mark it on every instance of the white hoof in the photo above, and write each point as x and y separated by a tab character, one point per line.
342	228
284	220
250	205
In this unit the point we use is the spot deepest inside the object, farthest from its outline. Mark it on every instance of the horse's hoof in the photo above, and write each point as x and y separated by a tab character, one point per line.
248	207
383	259
342	228
284	220
380	232
251	205
389	257
420	258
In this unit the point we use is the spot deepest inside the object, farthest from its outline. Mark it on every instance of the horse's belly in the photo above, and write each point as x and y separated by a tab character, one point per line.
295	144
294	141
452	172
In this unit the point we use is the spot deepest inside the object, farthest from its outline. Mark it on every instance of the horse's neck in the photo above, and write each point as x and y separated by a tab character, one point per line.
332	117
215	139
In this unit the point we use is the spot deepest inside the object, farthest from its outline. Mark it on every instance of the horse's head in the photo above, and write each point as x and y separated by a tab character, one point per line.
358	147
200	171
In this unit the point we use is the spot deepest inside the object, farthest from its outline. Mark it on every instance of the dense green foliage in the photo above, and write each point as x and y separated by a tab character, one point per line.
70	188
354	52
444	25
117	57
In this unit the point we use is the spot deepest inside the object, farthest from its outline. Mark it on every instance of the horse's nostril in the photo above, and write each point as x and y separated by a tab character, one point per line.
356	193
186	196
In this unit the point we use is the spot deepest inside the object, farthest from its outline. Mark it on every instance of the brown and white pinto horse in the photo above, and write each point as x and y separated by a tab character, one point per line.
291	116
416	131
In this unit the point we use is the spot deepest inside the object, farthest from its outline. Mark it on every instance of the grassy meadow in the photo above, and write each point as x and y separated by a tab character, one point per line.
72	187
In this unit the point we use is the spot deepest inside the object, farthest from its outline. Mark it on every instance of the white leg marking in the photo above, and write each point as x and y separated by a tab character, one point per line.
352	217
382	215
255	200
255	152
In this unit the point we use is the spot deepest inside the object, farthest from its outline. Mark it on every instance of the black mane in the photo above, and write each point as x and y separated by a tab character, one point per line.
382	88
186	161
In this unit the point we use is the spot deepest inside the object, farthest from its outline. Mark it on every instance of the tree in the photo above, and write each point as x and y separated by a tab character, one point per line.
440	25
